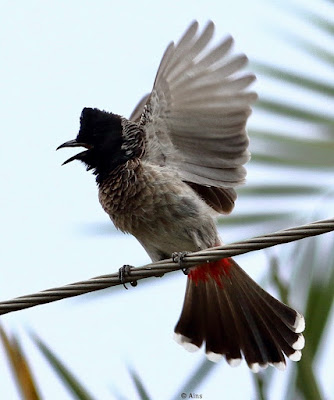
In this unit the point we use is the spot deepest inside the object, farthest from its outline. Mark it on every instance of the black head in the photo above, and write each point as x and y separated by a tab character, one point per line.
101	134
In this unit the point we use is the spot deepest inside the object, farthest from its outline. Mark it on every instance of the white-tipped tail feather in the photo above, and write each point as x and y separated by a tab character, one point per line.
299	325
256	367
185	342
281	366
234	362
300	343
234	317
296	356
214	357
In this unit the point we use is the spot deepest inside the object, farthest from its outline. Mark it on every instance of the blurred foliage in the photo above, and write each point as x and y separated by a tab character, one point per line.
312	275
67	377
142	393
20	367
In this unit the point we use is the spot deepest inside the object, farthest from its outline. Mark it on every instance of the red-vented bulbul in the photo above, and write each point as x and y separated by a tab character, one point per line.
165	172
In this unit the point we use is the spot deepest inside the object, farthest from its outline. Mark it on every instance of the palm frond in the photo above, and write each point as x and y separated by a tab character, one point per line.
200	374
300	80
20	366
139	384
291	151
76	388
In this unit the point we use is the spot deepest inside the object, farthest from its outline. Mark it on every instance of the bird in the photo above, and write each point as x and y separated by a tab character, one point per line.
165	173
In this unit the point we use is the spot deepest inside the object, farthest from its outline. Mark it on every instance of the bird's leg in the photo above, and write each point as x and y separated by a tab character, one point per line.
123	273
178	257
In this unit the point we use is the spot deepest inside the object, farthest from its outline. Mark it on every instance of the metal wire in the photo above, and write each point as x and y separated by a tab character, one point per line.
158	269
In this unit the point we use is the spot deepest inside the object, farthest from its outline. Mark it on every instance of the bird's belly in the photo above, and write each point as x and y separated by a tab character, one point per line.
161	211
164	230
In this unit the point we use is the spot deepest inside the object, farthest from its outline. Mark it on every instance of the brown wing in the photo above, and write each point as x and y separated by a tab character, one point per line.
137	112
220	199
195	117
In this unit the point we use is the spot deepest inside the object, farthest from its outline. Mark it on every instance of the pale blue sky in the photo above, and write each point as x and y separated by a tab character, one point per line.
56	58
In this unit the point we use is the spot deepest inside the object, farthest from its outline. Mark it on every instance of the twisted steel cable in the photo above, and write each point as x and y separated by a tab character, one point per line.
159	268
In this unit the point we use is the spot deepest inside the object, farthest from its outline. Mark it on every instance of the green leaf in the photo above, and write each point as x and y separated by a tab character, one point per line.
142	393
319	306
313	49
292	151
310	278
292	111
72	383
260	386
306	381
326	25
296	79
194	381
253	218
20	367
279	190
277	280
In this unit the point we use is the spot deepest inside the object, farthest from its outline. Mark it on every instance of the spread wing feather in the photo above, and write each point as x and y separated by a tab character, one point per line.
195	117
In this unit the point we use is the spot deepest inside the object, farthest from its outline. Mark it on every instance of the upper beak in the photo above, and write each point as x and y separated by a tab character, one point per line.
74	143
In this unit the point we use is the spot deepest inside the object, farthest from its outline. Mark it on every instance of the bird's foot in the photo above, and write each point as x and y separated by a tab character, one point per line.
124	272
178	257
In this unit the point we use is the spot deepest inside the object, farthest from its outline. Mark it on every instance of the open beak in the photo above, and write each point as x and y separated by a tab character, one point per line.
74	143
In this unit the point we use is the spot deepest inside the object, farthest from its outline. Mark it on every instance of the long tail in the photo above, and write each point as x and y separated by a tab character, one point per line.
227	310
